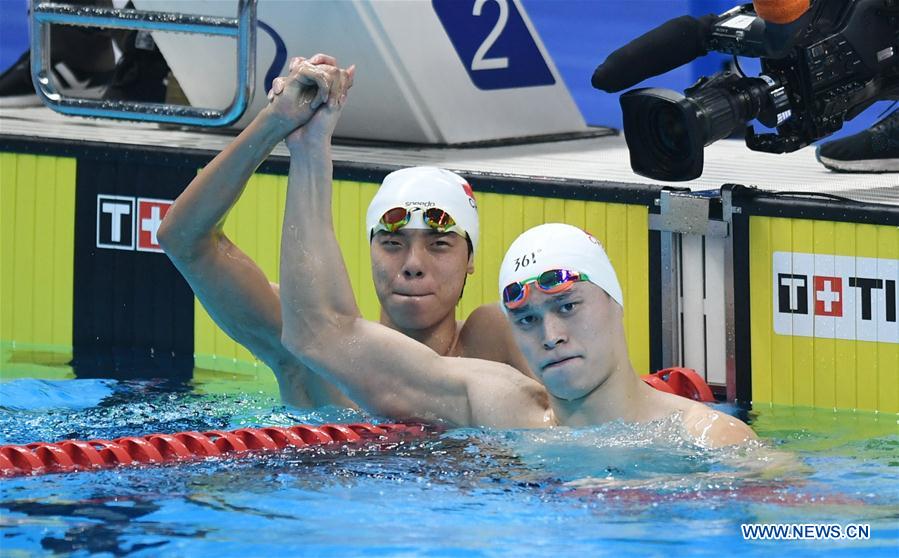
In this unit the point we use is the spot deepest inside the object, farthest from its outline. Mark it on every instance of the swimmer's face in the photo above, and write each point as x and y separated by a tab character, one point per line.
419	275
567	338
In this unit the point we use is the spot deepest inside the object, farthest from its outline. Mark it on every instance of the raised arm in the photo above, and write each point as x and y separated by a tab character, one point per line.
230	285
383	370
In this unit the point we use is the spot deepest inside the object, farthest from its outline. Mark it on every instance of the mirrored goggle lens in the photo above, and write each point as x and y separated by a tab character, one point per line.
394	219
513	293
438	219
555	278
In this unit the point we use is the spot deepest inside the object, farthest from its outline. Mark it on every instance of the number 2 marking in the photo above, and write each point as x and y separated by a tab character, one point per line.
479	62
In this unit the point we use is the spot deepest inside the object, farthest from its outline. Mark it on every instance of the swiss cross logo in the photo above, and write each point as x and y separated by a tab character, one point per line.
126	223
836	297
150	213
828	296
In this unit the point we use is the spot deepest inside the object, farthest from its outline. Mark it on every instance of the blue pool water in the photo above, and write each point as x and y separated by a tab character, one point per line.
466	492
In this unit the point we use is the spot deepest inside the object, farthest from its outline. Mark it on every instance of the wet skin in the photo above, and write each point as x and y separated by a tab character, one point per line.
561	336
418	276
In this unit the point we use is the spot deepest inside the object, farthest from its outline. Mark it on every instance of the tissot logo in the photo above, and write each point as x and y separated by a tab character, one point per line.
792	293
121	220
115	222
836	297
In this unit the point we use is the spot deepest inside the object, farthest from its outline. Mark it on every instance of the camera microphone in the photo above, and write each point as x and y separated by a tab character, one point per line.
671	45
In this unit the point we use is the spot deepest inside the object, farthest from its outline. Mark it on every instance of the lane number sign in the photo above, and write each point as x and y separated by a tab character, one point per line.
494	43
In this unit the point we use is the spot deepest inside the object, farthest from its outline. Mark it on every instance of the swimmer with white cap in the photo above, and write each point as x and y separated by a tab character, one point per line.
422	224
423	228
560	294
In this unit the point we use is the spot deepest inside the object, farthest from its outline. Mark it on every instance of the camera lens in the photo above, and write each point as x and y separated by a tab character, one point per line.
667	131
660	129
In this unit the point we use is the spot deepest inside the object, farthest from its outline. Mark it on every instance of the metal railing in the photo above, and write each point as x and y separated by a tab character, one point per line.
242	28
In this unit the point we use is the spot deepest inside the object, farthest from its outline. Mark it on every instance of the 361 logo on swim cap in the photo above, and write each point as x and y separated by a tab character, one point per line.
527	259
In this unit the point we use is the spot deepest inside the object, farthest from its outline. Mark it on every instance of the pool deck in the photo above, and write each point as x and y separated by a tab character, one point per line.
594	159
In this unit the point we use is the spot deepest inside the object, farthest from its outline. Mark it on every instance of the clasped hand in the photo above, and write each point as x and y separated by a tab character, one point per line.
307	101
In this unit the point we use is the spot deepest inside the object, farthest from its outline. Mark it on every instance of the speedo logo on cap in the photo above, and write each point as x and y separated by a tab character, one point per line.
422	204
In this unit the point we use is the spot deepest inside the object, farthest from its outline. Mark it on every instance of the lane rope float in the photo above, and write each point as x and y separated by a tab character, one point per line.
685	382
78	455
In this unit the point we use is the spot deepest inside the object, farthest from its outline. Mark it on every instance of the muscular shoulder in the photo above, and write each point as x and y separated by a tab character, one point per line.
487	334
488	320
501	397
714	429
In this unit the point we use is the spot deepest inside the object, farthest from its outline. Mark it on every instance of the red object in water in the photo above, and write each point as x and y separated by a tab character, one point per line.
658	383
76	455
681	381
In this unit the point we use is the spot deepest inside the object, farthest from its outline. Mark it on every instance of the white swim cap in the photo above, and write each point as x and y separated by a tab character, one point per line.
558	246
426	187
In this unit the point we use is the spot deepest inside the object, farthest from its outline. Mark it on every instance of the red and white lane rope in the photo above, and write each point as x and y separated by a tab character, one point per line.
77	455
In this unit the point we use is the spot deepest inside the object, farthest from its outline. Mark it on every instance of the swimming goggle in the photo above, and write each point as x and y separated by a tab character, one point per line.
550	282
437	219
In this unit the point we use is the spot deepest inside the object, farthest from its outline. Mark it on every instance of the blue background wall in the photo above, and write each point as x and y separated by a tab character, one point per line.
579	34
13	31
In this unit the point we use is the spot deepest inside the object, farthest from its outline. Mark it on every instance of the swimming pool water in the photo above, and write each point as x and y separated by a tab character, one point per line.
466	492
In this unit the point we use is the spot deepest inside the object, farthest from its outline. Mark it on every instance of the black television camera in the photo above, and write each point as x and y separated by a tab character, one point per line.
817	72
